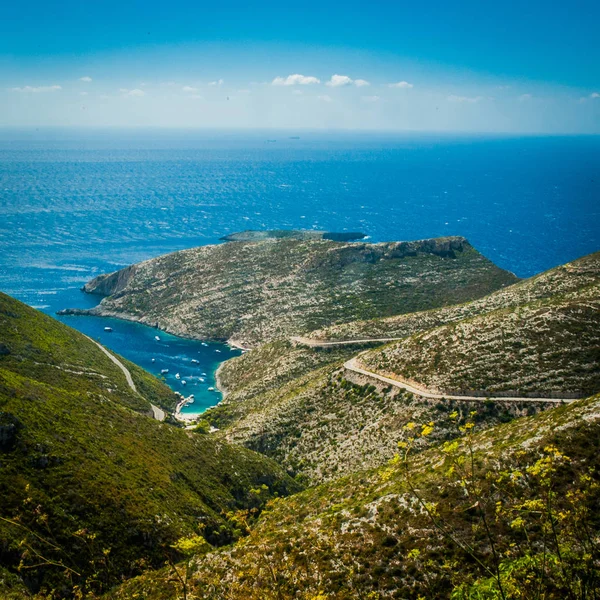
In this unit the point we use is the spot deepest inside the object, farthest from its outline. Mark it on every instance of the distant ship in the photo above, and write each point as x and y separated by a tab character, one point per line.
108	329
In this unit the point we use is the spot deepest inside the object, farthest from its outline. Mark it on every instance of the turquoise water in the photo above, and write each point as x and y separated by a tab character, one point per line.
74	204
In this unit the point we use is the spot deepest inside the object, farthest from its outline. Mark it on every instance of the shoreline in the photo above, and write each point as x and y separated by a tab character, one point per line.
218	383
184	417
188	418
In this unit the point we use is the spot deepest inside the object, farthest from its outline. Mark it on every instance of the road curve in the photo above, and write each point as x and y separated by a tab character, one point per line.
318	344
352	365
157	412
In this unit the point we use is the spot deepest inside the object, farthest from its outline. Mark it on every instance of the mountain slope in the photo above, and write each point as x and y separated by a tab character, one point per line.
549	348
92	488
571	277
506	513
298	404
253	292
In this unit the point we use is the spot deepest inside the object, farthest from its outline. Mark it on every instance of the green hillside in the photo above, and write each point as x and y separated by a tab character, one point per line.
92	488
510	512
561	280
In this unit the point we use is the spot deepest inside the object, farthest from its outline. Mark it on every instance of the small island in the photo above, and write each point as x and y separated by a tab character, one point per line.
294	234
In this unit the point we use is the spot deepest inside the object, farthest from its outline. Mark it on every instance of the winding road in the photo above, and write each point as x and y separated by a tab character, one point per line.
352	365
157	412
319	344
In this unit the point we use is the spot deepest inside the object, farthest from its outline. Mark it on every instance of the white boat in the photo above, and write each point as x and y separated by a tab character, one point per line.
108	329
195	361
201	379
176	375
183	382
203	374
157	338
204	344
153	360
191	400
164	371
211	389
217	351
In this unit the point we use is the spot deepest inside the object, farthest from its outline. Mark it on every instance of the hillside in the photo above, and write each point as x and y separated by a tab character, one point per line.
571	277
298	404
254	292
510	512
93	489
549	348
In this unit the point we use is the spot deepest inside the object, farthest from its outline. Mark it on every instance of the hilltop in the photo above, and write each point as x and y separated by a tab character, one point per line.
561	280
93	488
255	292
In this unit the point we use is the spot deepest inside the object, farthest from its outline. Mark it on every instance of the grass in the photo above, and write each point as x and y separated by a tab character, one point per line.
88	480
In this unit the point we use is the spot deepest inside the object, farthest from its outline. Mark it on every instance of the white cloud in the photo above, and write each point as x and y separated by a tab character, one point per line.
87	79
37	90
371	98
524	97
403	85
339	81
467	99
296	79
217	82
297	92
83	93
188	88
136	93
592	96
344	80
325	98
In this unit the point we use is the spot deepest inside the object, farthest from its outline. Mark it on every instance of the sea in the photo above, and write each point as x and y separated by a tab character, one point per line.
77	203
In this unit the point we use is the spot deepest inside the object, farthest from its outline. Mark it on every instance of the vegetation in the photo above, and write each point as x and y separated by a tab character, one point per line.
387	494
560	281
93	489
509	512
548	348
255	292
298	405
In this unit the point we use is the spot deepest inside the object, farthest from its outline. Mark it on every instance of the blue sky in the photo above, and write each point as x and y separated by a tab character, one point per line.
429	65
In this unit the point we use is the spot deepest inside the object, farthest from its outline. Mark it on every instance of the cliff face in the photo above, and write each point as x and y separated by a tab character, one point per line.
254	292
111	283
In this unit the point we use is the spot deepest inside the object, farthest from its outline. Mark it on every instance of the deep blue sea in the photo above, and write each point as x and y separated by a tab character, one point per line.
74	204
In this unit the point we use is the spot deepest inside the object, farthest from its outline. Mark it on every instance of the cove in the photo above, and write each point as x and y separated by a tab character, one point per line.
195	361
190	365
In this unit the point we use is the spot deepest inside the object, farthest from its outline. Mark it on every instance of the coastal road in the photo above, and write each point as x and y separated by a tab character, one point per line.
352	365
157	412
